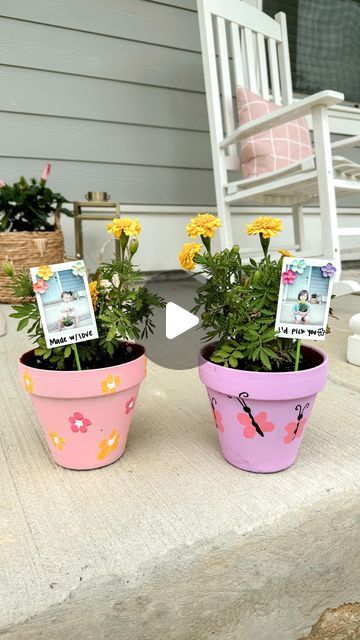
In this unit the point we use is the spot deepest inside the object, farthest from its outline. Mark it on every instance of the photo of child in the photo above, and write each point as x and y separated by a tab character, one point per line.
63	295
68	316
301	309
304	298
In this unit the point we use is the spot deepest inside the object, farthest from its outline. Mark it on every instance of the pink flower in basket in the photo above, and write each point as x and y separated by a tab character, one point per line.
46	171
2	184
40	286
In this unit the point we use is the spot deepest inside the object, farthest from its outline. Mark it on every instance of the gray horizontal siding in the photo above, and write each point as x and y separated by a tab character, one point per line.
111	92
39	46
23	91
82	140
126	183
129	19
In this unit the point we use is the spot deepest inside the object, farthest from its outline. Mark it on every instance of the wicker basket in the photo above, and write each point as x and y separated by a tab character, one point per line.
29	249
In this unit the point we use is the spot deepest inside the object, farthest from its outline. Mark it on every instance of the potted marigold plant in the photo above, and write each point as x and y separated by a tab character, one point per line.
259	403
30	231
86	414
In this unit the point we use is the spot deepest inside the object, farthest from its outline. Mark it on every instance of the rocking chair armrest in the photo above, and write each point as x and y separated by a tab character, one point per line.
284	114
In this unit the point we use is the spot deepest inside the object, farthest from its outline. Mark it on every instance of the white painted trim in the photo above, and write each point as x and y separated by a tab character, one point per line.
237	210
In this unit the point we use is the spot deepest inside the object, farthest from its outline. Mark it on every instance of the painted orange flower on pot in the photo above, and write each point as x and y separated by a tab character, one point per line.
108	445
110	384
57	441
28	382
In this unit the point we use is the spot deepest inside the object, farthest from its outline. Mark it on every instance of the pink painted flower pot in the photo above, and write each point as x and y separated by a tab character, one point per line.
85	415
261	417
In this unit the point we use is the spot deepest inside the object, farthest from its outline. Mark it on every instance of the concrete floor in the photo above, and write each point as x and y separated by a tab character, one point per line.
171	542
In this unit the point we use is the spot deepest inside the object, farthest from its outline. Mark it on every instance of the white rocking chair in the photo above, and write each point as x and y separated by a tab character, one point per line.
243	46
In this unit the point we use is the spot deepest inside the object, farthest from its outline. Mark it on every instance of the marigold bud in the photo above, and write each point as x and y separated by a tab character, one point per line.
133	246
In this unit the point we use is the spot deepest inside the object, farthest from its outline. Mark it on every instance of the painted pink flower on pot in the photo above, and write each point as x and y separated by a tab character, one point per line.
130	404
295	429
79	423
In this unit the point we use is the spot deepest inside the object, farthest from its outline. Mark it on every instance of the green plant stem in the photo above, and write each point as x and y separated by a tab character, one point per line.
77	359
117	247
265	244
297	356
207	243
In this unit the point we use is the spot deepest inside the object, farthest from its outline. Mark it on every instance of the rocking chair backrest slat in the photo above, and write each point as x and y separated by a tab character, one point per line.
250	60
237	54
225	82
284	61
274	71
264	83
241	45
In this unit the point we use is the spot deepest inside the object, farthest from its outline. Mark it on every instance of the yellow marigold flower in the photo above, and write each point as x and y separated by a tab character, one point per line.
45	272
110	384
268	226
285	253
57	440
94	293
205	224
129	226
109	444
187	254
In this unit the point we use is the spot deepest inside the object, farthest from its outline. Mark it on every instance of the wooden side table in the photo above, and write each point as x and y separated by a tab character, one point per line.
79	216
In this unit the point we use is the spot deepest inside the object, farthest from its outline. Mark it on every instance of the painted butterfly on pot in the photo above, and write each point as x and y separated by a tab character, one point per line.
295	429
253	425
217	415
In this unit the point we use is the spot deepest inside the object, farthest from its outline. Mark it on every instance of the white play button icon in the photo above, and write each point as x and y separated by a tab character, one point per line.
178	320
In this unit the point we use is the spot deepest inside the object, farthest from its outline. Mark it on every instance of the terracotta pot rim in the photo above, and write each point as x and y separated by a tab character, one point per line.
75	373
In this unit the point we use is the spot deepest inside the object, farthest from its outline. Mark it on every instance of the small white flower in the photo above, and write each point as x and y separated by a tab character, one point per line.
105	284
115	280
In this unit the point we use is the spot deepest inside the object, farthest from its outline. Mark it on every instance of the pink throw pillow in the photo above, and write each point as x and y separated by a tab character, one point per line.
272	149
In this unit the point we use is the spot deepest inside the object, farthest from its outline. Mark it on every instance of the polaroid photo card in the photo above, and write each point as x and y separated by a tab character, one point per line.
63	296
304	298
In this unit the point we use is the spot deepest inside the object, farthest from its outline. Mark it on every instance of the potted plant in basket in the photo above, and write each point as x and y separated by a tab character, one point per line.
27	233
84	394
260	404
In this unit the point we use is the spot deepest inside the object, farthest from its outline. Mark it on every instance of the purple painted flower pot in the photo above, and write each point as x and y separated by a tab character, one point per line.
261	417
85	415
